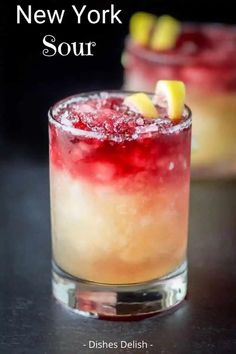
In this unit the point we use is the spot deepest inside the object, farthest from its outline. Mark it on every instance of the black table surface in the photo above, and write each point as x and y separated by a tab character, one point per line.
31	322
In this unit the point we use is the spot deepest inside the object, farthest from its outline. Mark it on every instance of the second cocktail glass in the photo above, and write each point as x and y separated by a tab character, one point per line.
203	56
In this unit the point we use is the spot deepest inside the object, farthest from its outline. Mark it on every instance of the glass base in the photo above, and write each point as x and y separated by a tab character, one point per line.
119	301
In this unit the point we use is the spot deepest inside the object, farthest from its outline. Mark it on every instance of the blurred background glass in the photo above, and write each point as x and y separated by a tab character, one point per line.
203	56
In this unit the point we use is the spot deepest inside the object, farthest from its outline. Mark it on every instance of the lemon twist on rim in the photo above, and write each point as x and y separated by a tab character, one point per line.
159	33
141	103
141	25
165	33
171	94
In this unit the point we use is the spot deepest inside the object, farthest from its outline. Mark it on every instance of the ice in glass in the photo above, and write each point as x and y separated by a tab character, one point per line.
119	169
203	56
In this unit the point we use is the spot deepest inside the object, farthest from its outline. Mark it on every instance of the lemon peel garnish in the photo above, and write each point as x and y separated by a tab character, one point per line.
165	33
141	103
141	24
171	94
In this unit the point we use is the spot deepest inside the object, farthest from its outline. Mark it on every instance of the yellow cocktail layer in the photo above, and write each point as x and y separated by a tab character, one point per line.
102	235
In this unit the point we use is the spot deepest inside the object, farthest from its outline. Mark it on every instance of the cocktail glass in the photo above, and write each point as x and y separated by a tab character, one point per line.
204	58
119	207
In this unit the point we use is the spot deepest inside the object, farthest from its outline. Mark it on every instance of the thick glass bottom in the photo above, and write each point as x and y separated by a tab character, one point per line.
119	301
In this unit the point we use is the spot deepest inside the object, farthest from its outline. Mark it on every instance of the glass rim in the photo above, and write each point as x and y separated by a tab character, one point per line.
176	58
183	124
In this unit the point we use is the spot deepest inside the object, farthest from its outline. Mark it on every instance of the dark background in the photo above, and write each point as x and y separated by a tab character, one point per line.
30	321
30	82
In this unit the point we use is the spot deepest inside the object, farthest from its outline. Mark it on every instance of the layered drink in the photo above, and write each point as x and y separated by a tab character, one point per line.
203	56
119	169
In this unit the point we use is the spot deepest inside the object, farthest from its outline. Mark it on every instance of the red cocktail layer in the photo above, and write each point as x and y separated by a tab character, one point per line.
204	55
115	143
